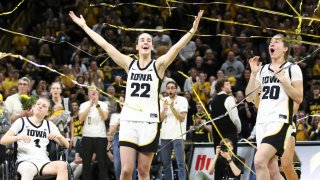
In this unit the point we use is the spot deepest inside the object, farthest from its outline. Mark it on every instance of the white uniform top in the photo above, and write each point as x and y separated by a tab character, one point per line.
142	94
170	127
37	148
13	104
94	126
275	105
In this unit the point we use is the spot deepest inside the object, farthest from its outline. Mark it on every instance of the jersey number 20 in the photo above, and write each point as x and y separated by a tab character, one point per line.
137	86
270	92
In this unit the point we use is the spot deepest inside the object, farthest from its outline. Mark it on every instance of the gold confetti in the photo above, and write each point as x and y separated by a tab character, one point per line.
15	8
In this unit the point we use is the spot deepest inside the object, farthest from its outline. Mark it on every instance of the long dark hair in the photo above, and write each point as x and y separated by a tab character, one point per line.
137	40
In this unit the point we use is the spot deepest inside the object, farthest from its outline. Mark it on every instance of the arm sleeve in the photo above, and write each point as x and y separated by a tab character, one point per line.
114	119
184	105
104	106
185	86
296	73
17	126
161	104
53	128
81	108
8	105
229	104
213	88
258	74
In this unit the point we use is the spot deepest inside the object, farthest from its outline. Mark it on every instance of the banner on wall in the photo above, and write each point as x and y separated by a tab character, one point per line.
308	153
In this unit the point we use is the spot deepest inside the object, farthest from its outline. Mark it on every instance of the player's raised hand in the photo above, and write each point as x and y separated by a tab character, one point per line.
254	64
196	22
80	21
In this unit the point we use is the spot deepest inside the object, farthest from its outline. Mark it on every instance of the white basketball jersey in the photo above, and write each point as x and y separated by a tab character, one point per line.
275	104
37	148
142	93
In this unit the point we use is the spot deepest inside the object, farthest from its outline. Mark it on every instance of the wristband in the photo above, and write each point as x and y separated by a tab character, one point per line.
229	161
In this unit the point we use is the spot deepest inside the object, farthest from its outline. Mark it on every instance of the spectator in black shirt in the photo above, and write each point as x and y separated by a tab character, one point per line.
245	112
223	165
202	134
191	110
230	125
315	130
313	103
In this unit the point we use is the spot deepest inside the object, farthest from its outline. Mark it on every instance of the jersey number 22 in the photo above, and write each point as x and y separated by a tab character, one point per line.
143	86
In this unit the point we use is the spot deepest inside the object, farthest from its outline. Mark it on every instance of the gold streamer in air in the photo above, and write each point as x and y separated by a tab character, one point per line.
222	35
135	56
2	55
215	126
315	12
252	8
255	26
133	3
163	30
15	8
298	30
205	35
168	7
52	42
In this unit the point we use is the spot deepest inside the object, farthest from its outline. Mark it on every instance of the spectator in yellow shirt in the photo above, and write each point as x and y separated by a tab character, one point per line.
19	41
303	128
11	80
316	69
66	80
202	88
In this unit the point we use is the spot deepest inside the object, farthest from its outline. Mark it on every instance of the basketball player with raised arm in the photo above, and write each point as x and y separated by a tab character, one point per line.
282	86
139	121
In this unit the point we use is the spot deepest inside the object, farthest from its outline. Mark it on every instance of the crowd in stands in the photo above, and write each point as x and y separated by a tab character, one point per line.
205	59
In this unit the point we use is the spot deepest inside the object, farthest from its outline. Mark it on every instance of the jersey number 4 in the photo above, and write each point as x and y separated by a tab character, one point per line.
270	92
143	86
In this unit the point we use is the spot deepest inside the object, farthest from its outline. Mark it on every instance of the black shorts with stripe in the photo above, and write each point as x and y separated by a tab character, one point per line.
278	140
